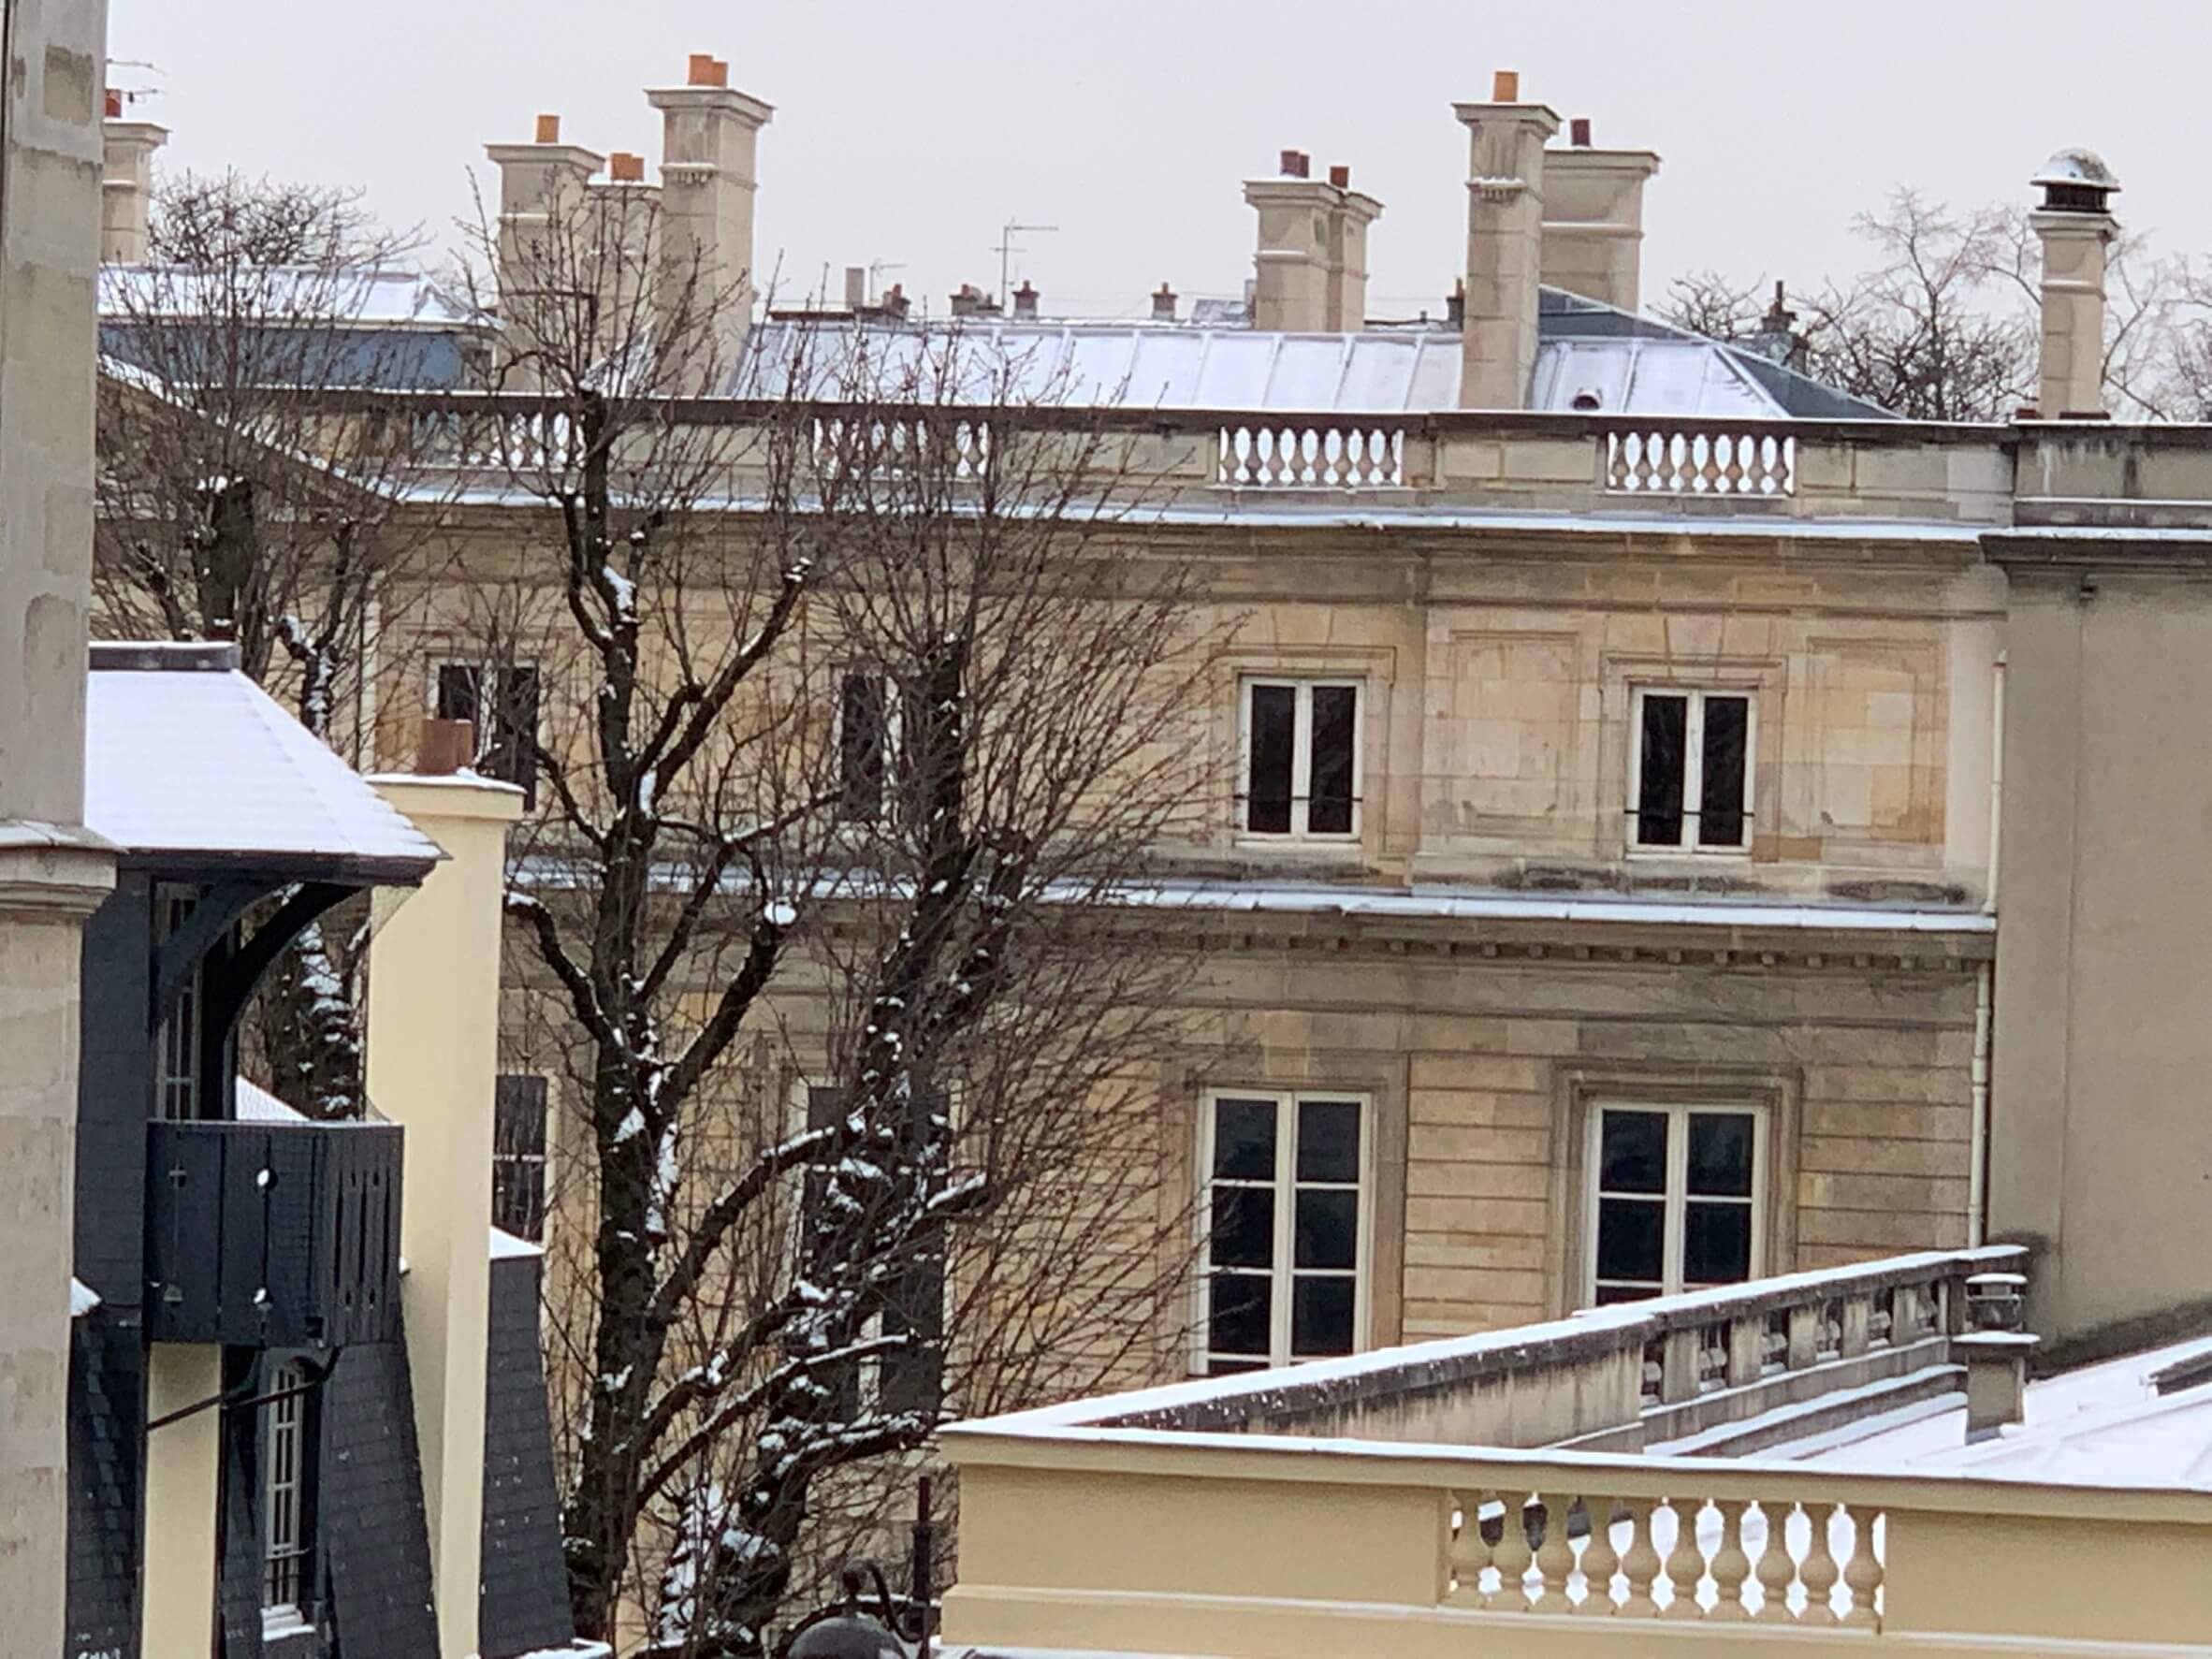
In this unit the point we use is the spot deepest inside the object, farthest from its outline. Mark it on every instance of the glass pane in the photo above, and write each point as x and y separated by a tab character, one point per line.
1327	1140
1721	1153
1329	803
1630	1238
1267	788
1217	1366
1659	802
458	684
1243	1230
1716	1244
859	748
1632	1151
1720	807
1320	1316
1240	1310
1245	1140
1328	1230
1609	1294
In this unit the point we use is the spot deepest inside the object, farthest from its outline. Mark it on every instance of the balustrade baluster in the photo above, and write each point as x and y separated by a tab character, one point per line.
1640	1564
1818	1571
1470	1555
1600	1560
1862	1572
1555	1559
1685	1562
1731	1566
1777	1570
1514	1556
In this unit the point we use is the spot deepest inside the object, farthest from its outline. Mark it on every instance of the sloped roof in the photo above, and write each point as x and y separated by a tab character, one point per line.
187	758
385	298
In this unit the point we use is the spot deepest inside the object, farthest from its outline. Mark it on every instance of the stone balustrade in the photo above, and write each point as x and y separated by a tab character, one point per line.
1328	454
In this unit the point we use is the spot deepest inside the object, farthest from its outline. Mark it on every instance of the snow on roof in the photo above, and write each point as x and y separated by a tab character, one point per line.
505	1246
2101	1424
82	1298
256	1104
385	298
188	758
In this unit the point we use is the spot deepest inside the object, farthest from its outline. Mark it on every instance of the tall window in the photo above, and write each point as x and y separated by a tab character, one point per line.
1675	1200
518	1155
1692	782
1286	1246
176	1048
1300	759
502	703
287	1460
864	746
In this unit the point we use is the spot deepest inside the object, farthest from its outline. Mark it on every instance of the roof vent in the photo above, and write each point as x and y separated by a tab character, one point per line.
2076	182
1588	401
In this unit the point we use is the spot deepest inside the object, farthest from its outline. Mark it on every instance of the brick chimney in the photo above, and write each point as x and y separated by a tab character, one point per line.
1505	243
1025	300
708	177
1310	268
971	301
2075	223
542	186
1163	304
127	184
1594	219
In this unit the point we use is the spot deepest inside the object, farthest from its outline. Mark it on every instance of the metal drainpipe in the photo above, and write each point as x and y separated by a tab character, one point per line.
1977	1203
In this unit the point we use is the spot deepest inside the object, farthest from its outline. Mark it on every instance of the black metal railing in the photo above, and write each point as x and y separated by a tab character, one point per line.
273	1235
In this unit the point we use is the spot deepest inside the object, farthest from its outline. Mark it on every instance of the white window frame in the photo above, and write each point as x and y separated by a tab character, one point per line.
175	1044
1678	1113
1282	1270
1693	771
284	1494
1302	757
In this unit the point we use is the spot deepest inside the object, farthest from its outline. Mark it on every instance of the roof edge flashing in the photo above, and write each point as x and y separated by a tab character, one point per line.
159	656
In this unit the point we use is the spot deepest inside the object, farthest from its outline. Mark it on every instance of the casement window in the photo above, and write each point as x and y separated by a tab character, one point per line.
1677	1199
176	1046
865	739
1301	772
506	718
1690	781
899	1379
1286	1223
287	1498
518	1155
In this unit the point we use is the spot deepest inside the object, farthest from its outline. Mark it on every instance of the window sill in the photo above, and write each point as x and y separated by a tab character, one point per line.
1688	854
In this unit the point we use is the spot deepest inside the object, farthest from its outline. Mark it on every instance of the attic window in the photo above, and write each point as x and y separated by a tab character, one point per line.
1588	401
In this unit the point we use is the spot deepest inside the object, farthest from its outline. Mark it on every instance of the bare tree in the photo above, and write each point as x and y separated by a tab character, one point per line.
230	508
857	699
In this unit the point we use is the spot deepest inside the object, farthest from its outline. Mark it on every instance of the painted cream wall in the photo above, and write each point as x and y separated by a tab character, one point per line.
433	1062
52	873
183	1481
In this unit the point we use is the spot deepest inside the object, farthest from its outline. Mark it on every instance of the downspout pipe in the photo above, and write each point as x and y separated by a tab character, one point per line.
1977	1204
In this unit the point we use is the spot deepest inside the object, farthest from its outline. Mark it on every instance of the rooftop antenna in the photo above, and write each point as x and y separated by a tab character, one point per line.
1007	249
876	268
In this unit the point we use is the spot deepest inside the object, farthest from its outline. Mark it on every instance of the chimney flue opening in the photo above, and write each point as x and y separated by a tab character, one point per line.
548	129
1578	132
1296	163
1505	86
706	69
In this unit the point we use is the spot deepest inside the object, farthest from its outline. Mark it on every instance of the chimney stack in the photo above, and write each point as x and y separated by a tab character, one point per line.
2075	223
708	177
971	301
1163	304
1594	219
541	185
1505	243
1311	264
127	184
1025	300
628	250
856	287
1994	1349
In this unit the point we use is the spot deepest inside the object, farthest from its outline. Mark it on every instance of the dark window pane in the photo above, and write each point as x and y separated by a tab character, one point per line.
1266	787
859	748
1727	733
1328	1232
1217	1366
1329	792
1659	800
1632	1151
1630	1237
1609	1294
1716	1244
1720	1154
518	1115
513	751
1327	1140
1245	1140
1240	1312
457	687
1320	1316
1243	1230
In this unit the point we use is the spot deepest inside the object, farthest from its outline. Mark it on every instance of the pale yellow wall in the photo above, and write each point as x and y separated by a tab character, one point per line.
433	1061
183	1468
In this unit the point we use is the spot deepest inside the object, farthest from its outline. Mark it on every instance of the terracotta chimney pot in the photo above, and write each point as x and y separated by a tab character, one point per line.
548	129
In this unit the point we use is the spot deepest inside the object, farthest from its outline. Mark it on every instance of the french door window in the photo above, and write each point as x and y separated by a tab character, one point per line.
176	1048
1677	1193
1300	759
1284	1247
287	1468
1691	770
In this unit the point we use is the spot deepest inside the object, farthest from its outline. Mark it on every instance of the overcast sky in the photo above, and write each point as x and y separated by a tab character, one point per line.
909	134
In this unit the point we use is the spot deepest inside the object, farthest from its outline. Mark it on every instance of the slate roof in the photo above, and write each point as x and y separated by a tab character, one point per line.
186	758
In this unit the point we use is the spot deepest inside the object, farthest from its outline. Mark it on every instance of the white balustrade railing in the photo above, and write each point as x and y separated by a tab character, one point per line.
903	447
1312	456
512	442
1629	1556
1663	463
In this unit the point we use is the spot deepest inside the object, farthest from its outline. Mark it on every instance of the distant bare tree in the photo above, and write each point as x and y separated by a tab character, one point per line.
230	508
856	704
